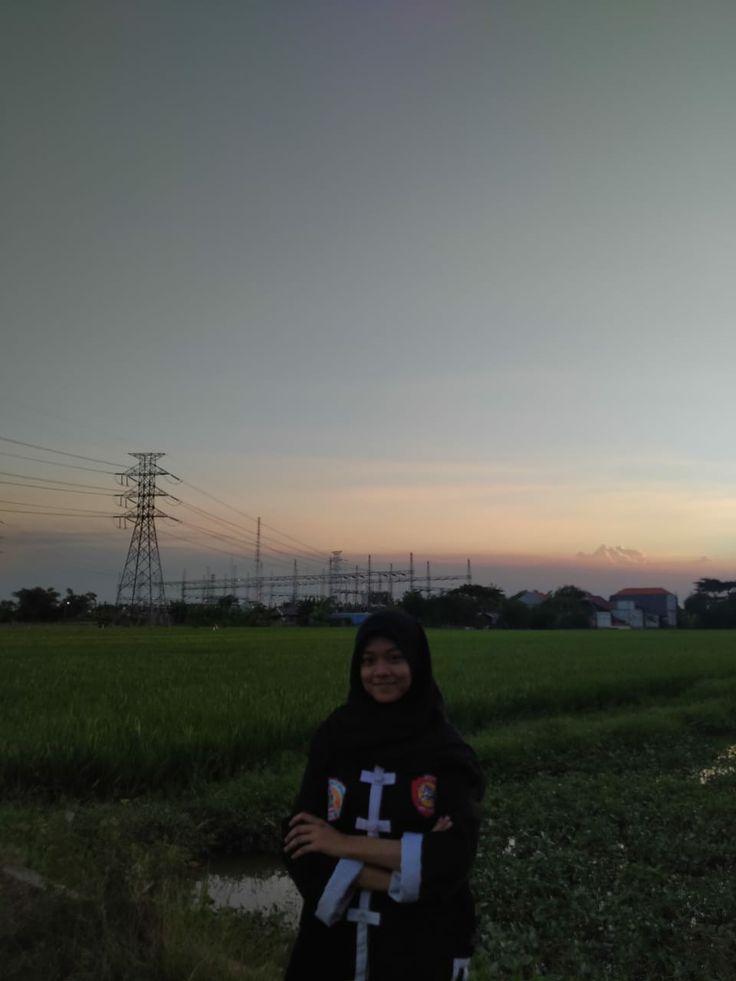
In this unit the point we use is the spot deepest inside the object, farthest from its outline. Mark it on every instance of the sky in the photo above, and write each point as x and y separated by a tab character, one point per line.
397	276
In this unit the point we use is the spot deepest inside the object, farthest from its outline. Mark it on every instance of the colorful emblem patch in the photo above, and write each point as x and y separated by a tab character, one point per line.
424	794
335	798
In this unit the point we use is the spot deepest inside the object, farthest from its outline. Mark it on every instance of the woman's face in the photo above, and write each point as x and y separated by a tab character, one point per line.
384	671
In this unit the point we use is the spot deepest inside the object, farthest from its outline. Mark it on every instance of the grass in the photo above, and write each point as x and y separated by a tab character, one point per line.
123	712
127	755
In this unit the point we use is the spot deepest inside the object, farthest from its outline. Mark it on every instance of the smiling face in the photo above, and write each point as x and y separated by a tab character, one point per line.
384	671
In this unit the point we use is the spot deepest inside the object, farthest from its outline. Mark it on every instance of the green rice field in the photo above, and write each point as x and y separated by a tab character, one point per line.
607	851
125	711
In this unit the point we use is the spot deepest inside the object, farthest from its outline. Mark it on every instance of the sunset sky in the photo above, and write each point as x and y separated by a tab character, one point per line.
397	275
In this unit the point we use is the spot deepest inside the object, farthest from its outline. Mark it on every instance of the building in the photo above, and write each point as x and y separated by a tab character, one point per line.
645	606
601	616
530	597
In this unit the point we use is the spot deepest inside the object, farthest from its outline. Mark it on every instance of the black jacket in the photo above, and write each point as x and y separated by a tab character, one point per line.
425	929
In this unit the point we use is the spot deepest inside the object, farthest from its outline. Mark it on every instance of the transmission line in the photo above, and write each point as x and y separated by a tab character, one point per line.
310	548
60	514
59	490
29	504
48	449
55	463
250	541
53	480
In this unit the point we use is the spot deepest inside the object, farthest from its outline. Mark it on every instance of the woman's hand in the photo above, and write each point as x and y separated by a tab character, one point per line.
311	834
442	824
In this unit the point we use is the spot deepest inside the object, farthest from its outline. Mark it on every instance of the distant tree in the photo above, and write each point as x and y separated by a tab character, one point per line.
488	597
569	593
515	615
566	608
8	611
77	606
414	603
314	610
715	586
178	611
467	606
37	604
259	615
712	605
106	614
473	605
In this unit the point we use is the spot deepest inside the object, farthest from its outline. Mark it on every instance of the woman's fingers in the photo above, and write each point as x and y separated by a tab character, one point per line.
298	847
312	834
303	817
304	828
296	838
442	824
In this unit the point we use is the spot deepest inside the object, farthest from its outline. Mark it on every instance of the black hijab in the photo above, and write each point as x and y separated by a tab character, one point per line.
362	729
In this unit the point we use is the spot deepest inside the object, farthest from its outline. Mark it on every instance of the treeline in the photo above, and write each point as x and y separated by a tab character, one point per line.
711	606
470	606
39	605
487	606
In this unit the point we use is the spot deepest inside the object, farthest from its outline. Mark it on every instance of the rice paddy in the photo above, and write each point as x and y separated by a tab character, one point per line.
607	848
120	712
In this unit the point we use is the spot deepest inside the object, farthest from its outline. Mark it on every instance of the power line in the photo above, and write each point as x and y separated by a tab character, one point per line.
277	544
269	548
53	480
244	514
48	449
60	490
59	514
54	463
250	541
28	504
212	548
235	550
317	554
311	553
229	538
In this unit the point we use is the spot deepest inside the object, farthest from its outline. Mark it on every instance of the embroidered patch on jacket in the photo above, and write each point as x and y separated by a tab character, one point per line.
335	798
424	794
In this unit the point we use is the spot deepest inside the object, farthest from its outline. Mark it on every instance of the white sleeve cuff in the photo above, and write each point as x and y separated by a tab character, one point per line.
339	891
405	883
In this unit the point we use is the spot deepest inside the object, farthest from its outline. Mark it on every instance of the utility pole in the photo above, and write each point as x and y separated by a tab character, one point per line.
259	567
141	586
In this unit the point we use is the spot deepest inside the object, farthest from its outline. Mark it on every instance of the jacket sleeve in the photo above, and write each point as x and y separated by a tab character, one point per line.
437	863
326	884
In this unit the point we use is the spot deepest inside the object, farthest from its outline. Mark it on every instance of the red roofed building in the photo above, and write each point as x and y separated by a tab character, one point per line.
646	606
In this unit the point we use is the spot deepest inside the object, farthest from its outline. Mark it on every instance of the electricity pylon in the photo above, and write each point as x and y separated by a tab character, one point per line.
141	587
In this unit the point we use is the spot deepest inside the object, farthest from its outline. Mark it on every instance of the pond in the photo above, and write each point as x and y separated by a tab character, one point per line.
253	883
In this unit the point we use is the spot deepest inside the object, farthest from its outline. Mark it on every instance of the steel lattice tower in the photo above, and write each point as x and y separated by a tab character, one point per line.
141	587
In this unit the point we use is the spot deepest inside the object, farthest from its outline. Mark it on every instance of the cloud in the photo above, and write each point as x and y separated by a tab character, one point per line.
615	555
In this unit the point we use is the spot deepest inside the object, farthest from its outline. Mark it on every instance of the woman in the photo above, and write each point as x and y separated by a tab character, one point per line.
386	824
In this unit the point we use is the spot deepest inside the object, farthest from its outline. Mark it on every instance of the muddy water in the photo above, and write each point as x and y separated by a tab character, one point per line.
254	883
